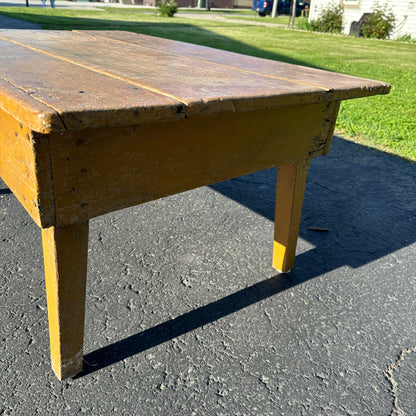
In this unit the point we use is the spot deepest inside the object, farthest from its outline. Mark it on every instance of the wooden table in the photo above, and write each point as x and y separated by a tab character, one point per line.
92	122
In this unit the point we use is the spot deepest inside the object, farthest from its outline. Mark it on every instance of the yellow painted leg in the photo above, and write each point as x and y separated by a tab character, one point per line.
65	252
291	181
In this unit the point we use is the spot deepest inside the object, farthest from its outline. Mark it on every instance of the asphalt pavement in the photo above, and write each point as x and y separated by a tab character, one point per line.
185	315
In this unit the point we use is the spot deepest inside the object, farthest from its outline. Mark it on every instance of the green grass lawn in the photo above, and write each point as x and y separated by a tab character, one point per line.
386	122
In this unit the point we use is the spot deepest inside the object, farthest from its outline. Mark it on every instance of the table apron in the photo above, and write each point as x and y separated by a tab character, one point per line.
80	174
101	170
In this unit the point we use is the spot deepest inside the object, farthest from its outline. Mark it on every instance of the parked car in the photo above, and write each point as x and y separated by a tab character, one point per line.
264	7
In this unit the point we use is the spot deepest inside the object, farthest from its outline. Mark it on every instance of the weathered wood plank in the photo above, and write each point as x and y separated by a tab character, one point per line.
203	86
157	79
94	100
341	86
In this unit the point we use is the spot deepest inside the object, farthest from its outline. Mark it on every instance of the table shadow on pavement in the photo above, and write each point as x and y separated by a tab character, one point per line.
365	198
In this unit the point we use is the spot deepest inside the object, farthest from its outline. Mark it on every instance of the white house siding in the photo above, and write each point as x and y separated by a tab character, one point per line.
403	10
317	6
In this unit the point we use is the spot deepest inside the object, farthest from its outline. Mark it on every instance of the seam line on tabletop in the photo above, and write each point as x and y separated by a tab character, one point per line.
210	62
93	69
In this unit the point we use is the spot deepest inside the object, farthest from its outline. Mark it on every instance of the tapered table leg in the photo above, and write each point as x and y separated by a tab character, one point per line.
290	189
65	251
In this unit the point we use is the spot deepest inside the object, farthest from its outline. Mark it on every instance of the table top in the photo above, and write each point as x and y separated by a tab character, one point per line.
61	80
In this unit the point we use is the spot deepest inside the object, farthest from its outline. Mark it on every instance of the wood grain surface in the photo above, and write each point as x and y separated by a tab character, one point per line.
97	79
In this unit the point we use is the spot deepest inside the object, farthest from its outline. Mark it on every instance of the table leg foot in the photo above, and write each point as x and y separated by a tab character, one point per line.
65	251
290	189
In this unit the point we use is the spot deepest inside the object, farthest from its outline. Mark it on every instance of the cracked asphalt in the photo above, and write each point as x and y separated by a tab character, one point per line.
185	315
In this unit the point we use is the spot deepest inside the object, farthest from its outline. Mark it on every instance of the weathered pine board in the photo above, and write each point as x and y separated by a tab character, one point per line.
79	97
204	86
338	86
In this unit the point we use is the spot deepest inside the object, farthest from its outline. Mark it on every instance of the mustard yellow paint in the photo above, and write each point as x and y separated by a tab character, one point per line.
65	251
290	189
280	258
25	168
101	170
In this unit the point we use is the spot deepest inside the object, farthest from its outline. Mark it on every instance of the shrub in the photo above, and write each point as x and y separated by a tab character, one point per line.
379	23
406	38
330	20
167	8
